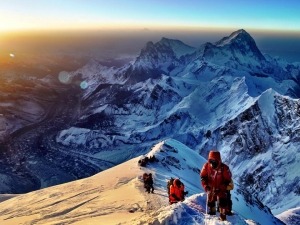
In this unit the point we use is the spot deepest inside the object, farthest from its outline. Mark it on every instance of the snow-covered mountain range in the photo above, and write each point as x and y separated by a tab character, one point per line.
225	95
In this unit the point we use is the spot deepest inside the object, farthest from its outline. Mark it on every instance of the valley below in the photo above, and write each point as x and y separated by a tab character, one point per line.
33	110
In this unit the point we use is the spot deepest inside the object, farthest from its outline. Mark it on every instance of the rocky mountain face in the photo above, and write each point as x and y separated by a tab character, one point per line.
225	95
261	144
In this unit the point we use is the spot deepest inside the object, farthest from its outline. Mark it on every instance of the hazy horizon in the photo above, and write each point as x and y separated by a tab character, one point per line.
105	44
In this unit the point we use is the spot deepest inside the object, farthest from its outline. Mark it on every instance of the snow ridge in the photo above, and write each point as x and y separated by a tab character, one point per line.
100	199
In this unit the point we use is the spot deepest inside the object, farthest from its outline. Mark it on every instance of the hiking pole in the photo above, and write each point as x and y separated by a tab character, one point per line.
205	216
206	203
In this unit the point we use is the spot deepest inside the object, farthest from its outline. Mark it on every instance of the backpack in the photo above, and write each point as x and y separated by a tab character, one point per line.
230	186
170	182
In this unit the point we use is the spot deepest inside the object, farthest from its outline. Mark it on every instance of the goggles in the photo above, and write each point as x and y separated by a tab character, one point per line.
212	161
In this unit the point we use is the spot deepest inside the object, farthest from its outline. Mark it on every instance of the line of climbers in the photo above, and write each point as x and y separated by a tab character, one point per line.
175	188
143	162
216	180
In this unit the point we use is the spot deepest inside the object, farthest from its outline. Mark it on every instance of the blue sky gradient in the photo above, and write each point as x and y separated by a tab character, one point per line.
192	14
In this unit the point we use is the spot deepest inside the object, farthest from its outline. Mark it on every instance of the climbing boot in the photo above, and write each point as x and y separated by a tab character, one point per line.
222	217
212	211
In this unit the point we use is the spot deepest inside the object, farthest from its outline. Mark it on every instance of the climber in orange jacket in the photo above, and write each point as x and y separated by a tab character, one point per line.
215	177
176	192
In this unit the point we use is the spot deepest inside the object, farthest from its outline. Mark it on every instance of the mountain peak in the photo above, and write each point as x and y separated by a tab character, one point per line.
164	39
177	46
169	41
240	31
239	35
243	42
166	48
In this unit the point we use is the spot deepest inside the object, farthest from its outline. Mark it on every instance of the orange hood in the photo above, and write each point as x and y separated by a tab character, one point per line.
176	182
215	155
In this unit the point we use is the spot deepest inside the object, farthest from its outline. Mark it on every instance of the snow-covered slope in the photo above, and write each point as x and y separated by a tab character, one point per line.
117	196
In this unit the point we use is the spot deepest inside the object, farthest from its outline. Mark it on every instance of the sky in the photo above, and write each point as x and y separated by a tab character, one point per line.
98	14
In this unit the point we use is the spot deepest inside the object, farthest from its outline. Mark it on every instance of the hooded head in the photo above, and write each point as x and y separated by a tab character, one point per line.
177	182
214	158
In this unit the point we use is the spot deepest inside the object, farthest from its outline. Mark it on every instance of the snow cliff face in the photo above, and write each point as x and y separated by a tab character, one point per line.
218	95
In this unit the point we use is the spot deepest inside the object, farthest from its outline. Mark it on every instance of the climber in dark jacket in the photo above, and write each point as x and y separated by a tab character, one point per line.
149	183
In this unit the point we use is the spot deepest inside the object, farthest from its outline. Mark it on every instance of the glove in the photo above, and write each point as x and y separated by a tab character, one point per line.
185	193
207	189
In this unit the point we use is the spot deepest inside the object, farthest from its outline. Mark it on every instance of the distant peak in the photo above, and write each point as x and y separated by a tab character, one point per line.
240	31
174	43
149	44
166	46
242	42
165	40
239	34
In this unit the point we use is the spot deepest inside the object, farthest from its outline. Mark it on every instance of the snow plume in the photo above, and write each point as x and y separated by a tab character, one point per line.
117	196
